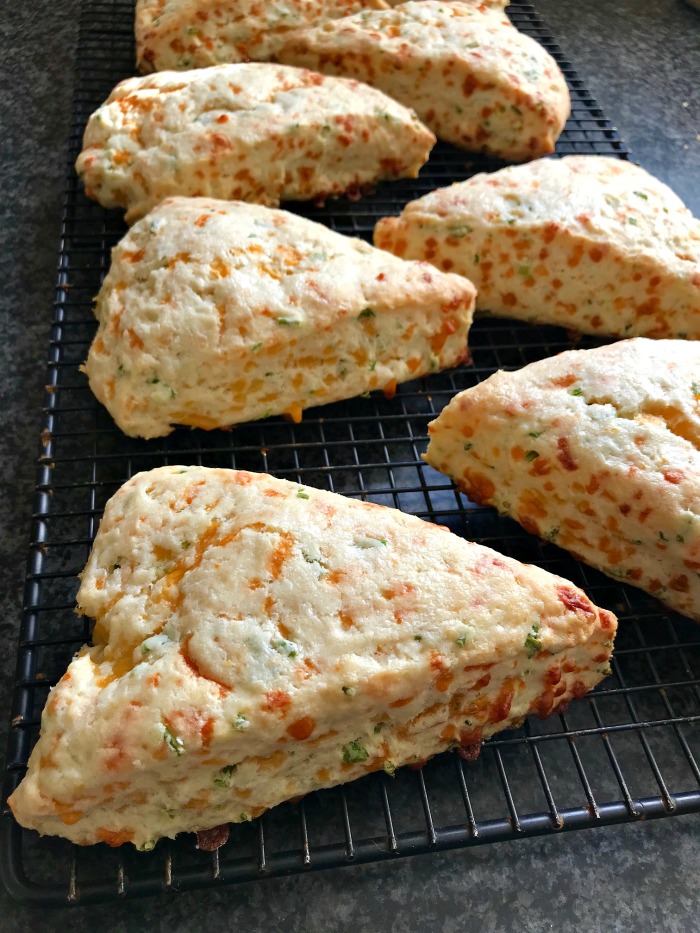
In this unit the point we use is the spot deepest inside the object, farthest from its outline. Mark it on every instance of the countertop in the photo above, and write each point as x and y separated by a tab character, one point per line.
641	60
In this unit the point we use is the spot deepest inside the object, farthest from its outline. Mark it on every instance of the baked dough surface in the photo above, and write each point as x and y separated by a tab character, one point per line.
252	132
470	75
219	312
590	243
183	34
595	450
256	640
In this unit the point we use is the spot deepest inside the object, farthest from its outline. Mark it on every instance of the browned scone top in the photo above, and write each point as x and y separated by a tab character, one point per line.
183	34
593	244
257	639
473	78
595	450
217	312
253	132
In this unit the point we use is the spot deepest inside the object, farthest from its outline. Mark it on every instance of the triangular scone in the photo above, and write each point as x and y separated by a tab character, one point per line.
593	244
252	132
217	312
184	34
469	74
595	450
256	640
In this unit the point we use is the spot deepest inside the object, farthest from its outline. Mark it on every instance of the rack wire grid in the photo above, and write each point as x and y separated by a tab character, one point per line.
626	752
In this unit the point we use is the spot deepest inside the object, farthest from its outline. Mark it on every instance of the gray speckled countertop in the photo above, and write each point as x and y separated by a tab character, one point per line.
641	60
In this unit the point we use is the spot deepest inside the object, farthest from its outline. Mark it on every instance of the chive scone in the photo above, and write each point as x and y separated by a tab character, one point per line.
470	75
183	34
590	243
252	132
595	450
256	640
219	312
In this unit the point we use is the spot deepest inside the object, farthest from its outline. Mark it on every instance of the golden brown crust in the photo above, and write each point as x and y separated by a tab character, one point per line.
217	312
593	244
472	78
256	640
595	450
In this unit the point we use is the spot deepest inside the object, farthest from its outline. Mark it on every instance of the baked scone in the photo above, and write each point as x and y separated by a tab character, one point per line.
219	312
595	450
254	132
182	34
469	74
256	640
590	243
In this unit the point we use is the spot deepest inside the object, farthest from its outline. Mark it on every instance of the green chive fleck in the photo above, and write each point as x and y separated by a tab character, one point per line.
532	642
354	753
368	543
174	741
223	776
285	647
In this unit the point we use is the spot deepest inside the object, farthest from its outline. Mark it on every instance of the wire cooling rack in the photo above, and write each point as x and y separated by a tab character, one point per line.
626	752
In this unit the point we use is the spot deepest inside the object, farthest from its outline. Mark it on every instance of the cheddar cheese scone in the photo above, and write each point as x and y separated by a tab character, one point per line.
218	312
590	243
252	132
256	640
470	75
595	450
182	34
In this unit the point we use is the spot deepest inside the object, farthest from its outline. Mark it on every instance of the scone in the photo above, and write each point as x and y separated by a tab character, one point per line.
254	132
593	244
182	34
256	640
470	75
218	312
595	450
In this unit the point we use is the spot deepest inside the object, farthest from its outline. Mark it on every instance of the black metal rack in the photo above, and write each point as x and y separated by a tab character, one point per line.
627	752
